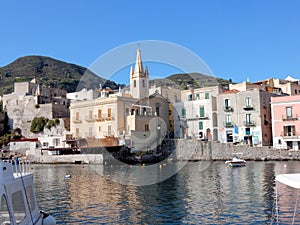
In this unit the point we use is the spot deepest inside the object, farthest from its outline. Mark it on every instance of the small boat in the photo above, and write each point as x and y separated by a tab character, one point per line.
18	202
236	161
292	180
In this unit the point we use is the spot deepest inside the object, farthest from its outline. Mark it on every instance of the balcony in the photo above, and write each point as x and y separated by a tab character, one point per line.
249	123
290	117
293	136
248	107
197	117
104	117
228	124
228	109
76	120
90	119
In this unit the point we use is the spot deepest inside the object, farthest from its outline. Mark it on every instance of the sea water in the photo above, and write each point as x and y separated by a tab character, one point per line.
199	193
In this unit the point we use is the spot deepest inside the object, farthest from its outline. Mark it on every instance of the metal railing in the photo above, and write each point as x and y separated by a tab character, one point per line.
228	124
248	123
290	135
228	109
76	120
290	117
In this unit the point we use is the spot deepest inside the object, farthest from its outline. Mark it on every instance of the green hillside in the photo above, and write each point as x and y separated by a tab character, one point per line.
49	72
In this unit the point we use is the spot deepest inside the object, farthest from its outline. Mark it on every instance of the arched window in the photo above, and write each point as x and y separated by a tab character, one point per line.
134	83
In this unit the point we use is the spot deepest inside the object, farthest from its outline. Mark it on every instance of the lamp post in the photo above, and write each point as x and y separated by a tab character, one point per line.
158	136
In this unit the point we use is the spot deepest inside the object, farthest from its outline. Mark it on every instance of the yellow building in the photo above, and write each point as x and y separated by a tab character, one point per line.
134	115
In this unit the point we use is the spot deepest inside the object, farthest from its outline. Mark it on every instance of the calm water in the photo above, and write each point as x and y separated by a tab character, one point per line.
215	195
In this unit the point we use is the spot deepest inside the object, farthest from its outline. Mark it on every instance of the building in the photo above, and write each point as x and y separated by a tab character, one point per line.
84	94
30	100
134	116
245	117
286	122
196	114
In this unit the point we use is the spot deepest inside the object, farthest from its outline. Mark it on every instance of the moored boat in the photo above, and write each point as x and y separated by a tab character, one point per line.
291	180
236	161
18	202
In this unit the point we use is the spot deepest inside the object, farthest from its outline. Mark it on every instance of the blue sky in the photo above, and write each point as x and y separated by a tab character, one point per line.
236	39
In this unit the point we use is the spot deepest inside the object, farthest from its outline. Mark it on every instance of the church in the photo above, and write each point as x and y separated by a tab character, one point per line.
139	119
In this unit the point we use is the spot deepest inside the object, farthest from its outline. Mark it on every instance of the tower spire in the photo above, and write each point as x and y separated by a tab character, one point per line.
138	63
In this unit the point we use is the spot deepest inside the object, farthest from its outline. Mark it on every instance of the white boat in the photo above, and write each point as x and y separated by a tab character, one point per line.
236	161
291	180
18	202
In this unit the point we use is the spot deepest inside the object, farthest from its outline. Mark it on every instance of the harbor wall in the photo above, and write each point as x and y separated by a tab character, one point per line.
193	149
56	159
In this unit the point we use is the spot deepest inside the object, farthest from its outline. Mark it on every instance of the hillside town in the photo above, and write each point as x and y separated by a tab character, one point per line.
49	121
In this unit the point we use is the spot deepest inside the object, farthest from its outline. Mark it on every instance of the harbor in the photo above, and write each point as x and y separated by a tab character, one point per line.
215	195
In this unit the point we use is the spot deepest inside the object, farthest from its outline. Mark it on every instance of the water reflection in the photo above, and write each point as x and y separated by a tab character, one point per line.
217	195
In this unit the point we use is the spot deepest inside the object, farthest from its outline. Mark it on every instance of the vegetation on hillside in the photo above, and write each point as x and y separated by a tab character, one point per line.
186	80
50	72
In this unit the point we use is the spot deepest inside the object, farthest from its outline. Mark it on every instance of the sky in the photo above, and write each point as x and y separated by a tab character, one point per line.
238	40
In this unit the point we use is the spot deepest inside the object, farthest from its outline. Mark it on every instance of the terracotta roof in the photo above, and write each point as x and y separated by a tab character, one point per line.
26	139
230	91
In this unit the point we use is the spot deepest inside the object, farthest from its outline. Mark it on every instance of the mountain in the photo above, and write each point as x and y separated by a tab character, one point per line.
197	80
70	77
50	72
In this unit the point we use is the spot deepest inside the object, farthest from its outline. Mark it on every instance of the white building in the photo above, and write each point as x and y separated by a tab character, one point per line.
196	115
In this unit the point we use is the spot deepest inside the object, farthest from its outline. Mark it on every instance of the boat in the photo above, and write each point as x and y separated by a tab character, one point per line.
18	202
292	180
236	161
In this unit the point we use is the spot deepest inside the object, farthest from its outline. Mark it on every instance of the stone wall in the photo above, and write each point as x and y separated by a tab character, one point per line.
199	150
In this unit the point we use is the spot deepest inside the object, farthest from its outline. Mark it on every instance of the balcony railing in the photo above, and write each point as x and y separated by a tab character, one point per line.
248	107
290	135
228	109
248	123
290	118
104	117
197	117
228	124
76	120
90	119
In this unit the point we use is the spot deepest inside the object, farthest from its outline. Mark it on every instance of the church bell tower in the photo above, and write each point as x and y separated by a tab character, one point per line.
139	79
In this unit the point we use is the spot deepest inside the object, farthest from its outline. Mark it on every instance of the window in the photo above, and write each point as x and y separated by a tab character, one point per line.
18	205
30	196
127	111
183	112
206	95
134	83
247	131
109	130
201	111
157	111
248	101
99	128
197	96
190	97
289	113
77	116
227	103
228	119
248	118
265	120
77	132
143	81
200	125
4	214
99	113
289	130
90	131
90	115
146	127
109	112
